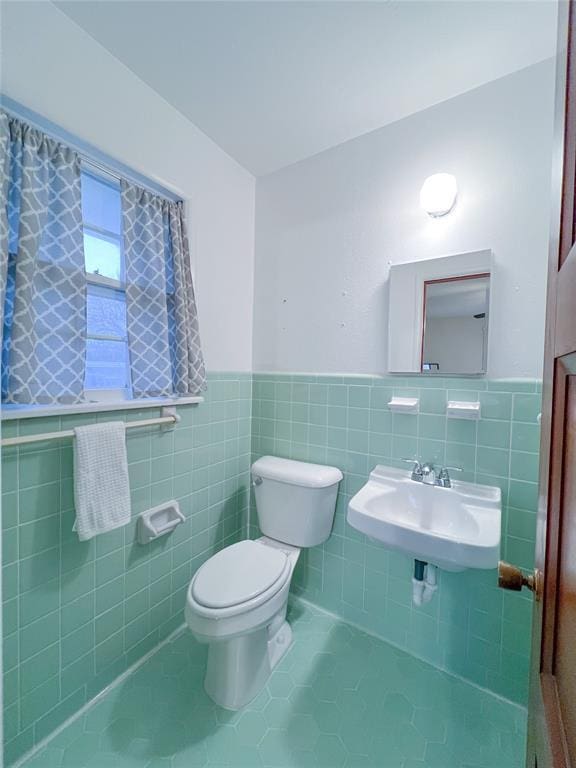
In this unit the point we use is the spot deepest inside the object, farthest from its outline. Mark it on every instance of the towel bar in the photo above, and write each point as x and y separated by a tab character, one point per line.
22	440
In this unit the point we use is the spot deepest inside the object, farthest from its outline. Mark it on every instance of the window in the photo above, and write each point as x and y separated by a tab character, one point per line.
107	363
98	300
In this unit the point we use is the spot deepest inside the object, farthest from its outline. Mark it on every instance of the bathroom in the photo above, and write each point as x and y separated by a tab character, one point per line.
277	383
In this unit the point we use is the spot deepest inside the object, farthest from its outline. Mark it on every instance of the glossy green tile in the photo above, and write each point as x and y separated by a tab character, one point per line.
9	470
108	623
432	450
9	501
39	701
524	466
38	468
523	495
75	614
10	546
77	643
38	536
56	584
495	405
481	447
461	455
380	421
527	407
39	569
461	431
525	437
40	501
520	552
38	602
337	395
404	447
404	424
494	434
291	419
493	461
521	523
39	668
432	426
39	634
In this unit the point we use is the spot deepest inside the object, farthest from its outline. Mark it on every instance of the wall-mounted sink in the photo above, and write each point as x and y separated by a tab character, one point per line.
454	528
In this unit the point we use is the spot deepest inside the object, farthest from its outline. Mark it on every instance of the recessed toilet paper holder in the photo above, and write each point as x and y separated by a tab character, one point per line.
159	521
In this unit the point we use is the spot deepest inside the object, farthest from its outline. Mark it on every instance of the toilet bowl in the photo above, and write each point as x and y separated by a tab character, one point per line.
237	600
237	603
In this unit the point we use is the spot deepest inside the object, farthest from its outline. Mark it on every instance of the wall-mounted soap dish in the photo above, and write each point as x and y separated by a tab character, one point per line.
159	521
456	409
404	404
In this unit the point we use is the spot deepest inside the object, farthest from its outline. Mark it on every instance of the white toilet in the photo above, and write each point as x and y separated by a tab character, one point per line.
237	600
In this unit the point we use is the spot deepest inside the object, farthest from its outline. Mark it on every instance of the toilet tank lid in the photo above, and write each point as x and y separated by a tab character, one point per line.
296	472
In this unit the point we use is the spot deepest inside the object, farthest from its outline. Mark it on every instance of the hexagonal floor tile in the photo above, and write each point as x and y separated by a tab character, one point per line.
338	699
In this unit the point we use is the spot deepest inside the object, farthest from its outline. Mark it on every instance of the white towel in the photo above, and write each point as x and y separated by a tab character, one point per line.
101	484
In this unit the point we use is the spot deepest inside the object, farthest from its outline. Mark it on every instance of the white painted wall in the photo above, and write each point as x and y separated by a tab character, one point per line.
53	67
328	227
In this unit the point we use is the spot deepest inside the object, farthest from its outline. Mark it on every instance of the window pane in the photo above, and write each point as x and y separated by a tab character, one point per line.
102	256
101	205
106	312
106	364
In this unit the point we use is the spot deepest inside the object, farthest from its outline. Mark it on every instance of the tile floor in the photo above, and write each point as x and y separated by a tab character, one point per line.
339	699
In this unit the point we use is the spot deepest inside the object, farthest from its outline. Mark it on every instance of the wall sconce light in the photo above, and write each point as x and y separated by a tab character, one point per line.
438	194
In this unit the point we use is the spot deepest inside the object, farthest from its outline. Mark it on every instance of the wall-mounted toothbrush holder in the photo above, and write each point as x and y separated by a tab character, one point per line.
456	409
159	521
404	404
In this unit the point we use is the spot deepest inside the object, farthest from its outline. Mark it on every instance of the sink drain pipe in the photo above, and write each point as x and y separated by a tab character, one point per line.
424	582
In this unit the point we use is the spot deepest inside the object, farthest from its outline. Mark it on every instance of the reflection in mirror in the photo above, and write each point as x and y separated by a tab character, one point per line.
455	328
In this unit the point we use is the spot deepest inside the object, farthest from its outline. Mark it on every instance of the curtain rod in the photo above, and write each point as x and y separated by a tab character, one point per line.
86	151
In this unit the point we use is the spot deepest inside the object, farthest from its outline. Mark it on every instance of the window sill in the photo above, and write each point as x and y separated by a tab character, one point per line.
10	412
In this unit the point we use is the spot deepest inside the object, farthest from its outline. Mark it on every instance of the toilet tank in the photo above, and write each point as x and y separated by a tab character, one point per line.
295	501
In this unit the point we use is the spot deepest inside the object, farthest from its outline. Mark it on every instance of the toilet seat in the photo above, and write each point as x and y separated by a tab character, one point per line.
239	578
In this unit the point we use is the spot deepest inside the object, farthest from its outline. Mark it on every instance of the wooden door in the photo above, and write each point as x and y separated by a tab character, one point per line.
552	708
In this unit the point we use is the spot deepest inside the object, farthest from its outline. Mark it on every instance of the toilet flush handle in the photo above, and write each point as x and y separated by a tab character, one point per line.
256	481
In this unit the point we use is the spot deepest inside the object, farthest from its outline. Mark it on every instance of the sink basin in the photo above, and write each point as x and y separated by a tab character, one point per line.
454	528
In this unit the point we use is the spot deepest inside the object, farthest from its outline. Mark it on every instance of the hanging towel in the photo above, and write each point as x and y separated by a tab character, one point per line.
101	484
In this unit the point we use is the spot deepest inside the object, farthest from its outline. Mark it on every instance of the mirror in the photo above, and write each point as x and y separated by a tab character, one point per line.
439	315
456	325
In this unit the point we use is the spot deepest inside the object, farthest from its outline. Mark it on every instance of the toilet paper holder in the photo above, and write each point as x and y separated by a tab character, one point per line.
159	521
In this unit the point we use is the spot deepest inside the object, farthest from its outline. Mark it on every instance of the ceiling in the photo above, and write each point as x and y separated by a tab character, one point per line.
275	82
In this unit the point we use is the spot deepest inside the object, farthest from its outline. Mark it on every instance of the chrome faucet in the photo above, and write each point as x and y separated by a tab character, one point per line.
416	469
444	480
429	475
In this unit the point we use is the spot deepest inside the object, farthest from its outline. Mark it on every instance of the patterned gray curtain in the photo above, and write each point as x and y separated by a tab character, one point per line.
42	275
189	374
163	338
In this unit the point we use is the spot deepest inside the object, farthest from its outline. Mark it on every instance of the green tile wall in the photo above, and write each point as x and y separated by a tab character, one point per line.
471	628
76	615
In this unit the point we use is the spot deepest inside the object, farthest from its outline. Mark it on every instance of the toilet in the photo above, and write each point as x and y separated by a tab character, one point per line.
237	600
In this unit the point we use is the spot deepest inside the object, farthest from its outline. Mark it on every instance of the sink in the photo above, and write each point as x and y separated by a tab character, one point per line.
454	528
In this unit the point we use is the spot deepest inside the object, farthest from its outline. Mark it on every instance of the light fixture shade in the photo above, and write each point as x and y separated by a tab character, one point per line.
438	194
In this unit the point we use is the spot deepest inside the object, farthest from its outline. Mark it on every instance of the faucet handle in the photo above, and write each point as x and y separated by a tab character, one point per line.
416	468
444	477
415	462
